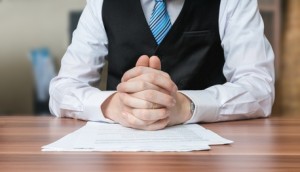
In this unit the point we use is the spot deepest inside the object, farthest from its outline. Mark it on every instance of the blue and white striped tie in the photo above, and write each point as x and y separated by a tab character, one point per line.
160	23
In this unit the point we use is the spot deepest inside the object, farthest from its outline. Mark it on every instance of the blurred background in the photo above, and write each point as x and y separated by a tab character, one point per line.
34	35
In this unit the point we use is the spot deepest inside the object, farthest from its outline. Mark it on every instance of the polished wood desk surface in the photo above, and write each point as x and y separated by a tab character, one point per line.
271	144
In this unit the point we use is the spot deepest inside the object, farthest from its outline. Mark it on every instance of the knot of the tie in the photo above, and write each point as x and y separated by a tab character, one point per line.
159	0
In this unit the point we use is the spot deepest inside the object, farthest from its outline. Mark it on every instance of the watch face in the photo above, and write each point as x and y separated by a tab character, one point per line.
192	108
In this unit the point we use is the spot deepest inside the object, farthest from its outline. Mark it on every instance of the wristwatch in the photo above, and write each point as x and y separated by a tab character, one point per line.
192	108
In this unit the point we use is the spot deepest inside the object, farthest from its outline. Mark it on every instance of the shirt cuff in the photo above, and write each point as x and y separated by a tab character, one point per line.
92	106
206	107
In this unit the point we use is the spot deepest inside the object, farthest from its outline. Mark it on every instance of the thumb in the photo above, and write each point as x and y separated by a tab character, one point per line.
143	61
155	63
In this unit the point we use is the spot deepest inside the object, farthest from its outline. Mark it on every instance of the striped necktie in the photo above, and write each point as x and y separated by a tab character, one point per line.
160	23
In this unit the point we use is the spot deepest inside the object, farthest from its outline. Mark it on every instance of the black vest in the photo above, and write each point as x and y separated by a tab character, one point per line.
191	52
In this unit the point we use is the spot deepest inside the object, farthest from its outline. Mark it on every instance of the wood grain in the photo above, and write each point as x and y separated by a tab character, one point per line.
271	144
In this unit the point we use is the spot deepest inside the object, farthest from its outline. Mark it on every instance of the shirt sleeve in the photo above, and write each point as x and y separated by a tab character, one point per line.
249	68
74	92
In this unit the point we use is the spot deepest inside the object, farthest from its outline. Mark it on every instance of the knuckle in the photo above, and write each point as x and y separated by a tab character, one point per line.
167	75
140	113
170	100
170	84
144	114
132	122
121	96
147	105
125	98
159	125
122	87
165	122
143	85
151	128
139	70
152	77
127	75
164	113
136	123
149	95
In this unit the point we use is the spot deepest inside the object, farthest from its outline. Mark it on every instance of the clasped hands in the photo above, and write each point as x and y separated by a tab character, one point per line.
147	98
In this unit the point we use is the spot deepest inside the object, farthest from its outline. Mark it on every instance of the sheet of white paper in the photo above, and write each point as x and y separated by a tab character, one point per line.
113	137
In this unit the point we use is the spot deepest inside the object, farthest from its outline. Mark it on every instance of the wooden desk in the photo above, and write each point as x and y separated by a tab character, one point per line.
260	145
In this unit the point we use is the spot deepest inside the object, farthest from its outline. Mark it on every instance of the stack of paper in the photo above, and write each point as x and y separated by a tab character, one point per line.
113	137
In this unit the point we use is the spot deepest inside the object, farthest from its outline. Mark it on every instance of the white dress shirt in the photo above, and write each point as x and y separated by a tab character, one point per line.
249	67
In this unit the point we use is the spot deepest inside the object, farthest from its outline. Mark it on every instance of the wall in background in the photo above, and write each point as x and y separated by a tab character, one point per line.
27	24
290	62
271	11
